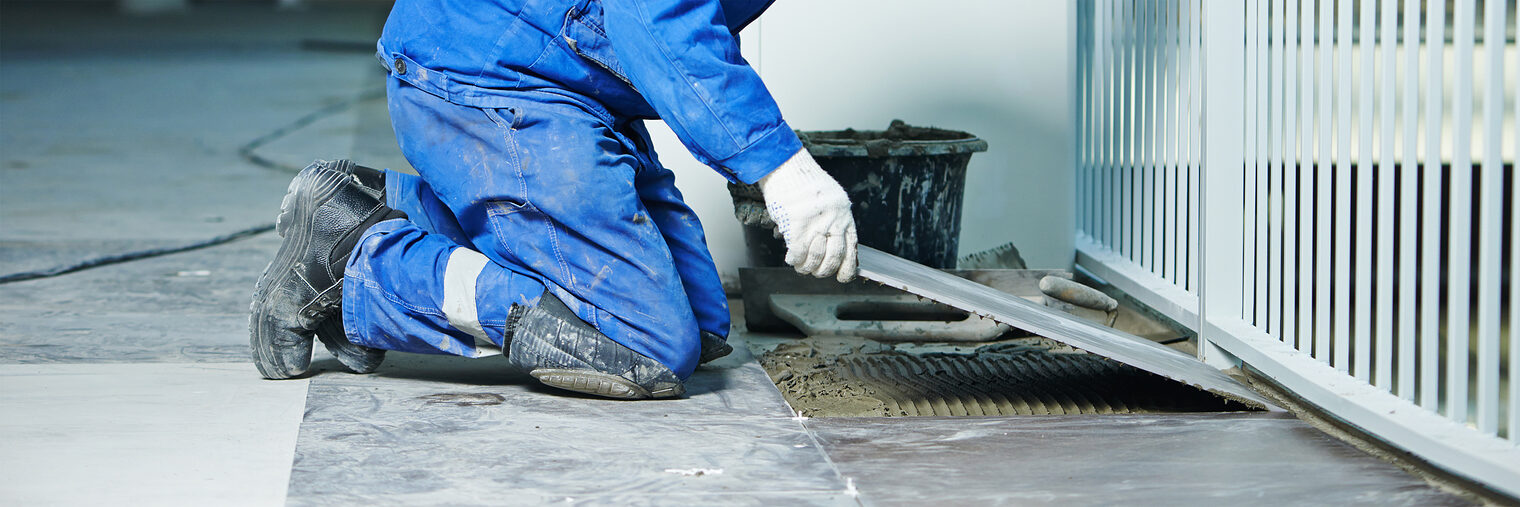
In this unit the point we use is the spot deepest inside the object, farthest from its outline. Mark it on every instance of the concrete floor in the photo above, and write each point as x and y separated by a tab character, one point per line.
129	384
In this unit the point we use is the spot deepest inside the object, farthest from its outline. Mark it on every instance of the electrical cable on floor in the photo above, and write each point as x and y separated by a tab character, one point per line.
247	152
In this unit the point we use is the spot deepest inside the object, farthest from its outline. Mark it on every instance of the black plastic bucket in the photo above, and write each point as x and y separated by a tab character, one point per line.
905	185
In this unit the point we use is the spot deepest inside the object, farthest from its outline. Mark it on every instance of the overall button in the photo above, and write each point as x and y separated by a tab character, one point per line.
400	66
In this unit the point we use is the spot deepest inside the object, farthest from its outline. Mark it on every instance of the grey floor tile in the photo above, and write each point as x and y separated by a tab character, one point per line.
185	307
1214	459
30	335
720	499
214	280
37	255
734	386
456	431
149	434
489	454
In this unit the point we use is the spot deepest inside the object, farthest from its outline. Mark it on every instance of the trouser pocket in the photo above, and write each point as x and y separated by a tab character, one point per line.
529	237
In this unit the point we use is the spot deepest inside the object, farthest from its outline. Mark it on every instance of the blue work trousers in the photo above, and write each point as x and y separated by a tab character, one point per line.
547	193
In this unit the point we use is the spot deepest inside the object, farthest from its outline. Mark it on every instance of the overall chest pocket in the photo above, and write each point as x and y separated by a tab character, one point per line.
584	32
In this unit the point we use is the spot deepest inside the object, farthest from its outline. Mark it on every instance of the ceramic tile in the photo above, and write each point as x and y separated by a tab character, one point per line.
18	256
731	386
718	499
149	434
1214	459
437	430
186	307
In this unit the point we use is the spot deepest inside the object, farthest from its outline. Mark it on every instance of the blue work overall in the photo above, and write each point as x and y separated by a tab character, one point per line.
524	119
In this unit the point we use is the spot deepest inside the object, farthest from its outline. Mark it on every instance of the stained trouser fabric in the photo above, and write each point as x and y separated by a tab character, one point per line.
549	193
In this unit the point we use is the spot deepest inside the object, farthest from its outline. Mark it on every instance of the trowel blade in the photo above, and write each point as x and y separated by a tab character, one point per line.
1126	348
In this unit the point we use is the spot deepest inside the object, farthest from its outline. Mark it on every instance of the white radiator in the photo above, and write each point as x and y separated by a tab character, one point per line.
1326	192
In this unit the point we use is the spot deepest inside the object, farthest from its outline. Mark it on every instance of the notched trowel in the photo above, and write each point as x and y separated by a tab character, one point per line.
1012	310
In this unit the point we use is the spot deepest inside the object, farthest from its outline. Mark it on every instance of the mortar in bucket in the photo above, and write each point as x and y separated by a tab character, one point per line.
905	184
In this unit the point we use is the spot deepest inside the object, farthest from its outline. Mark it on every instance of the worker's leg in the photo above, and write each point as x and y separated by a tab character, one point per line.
412	195
688	247
409	194
545	192
411	290
546	339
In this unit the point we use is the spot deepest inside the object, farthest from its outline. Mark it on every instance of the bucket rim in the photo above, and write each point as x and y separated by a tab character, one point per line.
832	143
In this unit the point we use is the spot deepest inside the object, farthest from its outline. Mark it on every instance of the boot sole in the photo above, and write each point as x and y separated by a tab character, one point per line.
599	384
263	328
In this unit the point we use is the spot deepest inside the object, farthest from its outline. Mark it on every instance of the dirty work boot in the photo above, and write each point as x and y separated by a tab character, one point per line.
357	358
713	347
559	349
324	213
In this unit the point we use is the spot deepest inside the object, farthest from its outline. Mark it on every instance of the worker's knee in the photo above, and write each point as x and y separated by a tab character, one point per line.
661	329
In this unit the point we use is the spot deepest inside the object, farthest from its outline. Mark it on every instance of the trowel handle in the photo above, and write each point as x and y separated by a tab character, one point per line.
1077	294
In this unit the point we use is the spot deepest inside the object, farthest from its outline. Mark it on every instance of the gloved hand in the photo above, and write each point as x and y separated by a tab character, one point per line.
812	213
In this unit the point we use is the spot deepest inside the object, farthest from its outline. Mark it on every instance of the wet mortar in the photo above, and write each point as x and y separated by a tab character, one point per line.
1024	376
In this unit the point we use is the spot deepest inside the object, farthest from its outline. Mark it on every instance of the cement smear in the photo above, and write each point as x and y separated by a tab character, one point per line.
1028	376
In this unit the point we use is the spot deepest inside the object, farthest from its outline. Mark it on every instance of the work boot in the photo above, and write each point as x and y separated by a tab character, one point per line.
713	347
324	213
357	358
559	349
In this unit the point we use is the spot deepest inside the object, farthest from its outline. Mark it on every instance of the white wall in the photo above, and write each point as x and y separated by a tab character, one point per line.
997	69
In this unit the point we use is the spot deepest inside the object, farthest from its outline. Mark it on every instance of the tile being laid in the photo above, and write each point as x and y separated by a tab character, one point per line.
146	434
1126	348
436	430
1265	459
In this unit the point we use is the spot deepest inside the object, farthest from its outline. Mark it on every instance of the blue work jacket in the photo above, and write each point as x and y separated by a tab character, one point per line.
676	60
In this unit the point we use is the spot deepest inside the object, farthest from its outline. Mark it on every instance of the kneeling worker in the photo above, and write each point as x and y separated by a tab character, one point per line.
543	226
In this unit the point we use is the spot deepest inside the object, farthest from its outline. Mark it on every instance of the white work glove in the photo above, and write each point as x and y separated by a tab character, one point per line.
812	213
